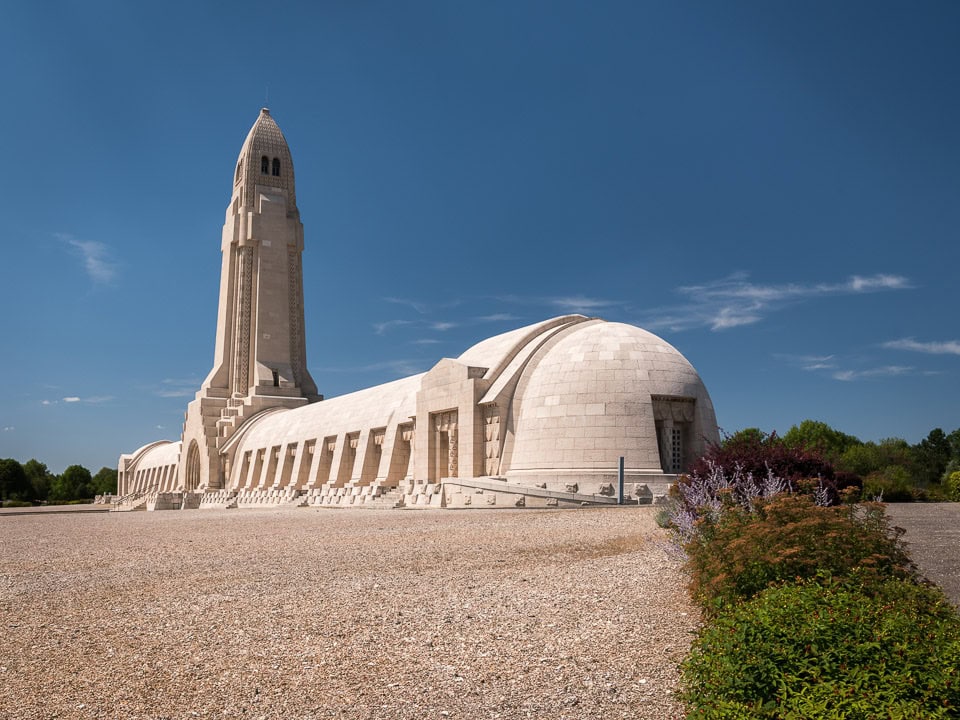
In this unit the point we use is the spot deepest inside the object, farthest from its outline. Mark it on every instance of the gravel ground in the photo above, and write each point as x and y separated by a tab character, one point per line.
933	541
313	613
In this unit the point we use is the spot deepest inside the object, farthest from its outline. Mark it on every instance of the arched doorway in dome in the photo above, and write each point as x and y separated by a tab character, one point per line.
192	480
673	420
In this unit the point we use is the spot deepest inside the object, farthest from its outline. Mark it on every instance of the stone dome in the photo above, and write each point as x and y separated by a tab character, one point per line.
602	390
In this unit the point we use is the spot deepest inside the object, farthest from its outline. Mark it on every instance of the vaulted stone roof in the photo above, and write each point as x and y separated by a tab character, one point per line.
265	140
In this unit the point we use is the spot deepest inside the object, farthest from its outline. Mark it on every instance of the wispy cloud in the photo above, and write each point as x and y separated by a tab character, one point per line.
73	399
400	367
381	327
809	363
878	372
498	317
443	326
566	303
96	257
735	301
839	368
875	283
580	303
178	387
418	306
9	428
426	341
947	347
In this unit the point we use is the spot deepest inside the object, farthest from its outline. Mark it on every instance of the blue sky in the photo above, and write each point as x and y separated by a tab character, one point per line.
772	187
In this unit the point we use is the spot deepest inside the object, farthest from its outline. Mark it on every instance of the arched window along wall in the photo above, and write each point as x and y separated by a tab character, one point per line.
276	167
264	165
192	481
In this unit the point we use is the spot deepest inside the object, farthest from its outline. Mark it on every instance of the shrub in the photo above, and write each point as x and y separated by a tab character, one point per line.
16	503
738	554
826	649
757	452
758	455
892	484
953	486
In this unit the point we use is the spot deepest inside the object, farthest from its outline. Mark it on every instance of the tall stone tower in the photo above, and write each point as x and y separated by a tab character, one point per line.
260	358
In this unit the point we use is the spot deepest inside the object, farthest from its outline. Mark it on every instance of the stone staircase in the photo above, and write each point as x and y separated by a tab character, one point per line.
132	501
218	500
363	496
267	498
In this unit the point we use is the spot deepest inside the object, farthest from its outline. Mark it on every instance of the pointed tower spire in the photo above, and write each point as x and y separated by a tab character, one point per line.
260	358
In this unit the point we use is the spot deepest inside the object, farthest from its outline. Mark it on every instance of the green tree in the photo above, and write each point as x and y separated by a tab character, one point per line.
40	478
954	440
931	456
872	457
748	437
105	481
73	484
13	481
819	437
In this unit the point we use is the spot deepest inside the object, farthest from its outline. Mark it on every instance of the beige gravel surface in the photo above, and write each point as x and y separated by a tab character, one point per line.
313	613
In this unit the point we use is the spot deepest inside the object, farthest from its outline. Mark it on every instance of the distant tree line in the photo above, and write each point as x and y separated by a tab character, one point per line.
892	469
32	483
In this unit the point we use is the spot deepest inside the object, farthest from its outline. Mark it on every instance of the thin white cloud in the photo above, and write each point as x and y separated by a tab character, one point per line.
96	257
72	399
580	303
566	303
947	347
876	283
878	372
498	317
9	428
426	341
443	326
381	327
809	363
400	367
177	387
420	307
735	301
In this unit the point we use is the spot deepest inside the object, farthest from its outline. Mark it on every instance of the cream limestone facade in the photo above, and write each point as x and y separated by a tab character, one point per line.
535	417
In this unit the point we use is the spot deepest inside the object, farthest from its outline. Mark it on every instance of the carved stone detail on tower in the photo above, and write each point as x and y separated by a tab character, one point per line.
295	291
241	372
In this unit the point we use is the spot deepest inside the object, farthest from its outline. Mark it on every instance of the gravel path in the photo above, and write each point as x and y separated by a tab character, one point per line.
313	613
933	541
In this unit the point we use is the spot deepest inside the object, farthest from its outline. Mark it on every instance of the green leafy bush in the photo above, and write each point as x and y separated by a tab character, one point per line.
892	484
953	486
737	554
829	649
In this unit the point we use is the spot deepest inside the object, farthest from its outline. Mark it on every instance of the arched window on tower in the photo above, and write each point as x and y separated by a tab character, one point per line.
276	167
264	165
239	170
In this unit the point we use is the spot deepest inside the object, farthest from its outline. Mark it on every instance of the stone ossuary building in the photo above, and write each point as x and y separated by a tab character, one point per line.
538	416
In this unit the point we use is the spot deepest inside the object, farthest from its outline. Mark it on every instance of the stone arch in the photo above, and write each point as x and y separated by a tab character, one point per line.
192	480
